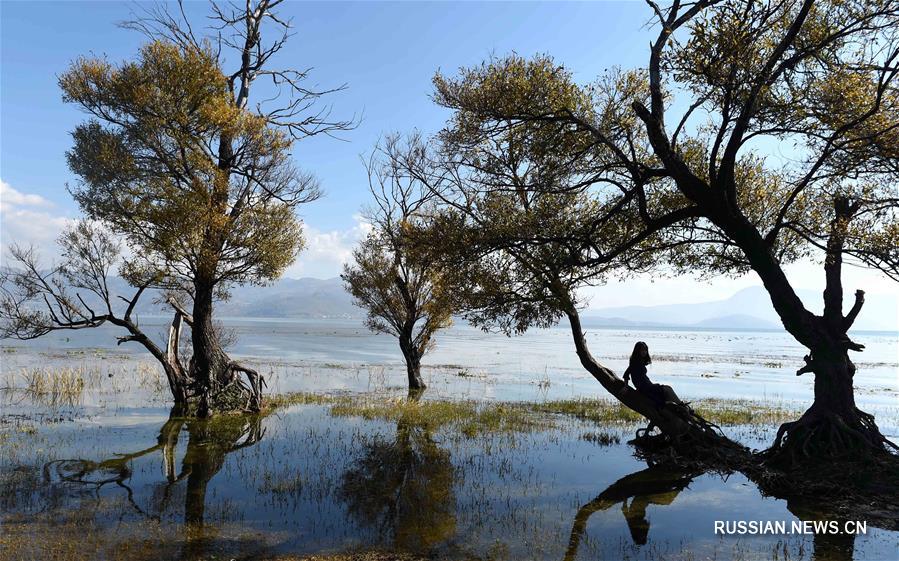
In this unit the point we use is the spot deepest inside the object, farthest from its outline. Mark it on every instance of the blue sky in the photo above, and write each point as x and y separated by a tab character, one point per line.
386	53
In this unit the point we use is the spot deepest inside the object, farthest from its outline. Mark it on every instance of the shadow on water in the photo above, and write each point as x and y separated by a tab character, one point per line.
653	485
661	485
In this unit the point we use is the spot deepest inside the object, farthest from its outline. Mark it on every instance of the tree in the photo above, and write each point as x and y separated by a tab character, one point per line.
531	213
200	187
404	293
403	487
76	294
738	79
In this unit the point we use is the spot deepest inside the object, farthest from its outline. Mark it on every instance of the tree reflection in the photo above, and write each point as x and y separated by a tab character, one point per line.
404	488
209	442
660	485
826	547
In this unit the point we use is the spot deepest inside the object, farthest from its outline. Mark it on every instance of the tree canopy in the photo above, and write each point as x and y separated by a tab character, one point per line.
404	292
151	169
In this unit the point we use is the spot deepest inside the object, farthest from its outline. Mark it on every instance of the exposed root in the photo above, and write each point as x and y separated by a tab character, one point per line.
697	443
824	436
233	393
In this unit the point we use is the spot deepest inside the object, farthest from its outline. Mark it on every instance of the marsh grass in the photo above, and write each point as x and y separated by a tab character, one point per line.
286	483
735	412
468	417
474	418
599	411
49	386
601	438
67	382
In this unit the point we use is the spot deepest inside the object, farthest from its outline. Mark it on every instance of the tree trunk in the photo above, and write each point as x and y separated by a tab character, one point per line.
833	427
682	429
179	381
413	363
209	362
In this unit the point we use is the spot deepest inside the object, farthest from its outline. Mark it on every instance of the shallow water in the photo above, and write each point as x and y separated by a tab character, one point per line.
302	354
109	475
302	481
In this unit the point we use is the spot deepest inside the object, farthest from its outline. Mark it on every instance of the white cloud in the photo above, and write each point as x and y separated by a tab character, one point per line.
327	251
28	219
11	197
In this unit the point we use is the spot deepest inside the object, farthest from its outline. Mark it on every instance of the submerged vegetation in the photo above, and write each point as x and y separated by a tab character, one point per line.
472	418
407	480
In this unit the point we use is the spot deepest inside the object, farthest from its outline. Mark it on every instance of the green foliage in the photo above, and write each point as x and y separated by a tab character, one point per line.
781	111
539	199
404	292
194	184
797	106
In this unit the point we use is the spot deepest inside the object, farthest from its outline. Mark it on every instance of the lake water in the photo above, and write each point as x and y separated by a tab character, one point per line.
337	355
111	476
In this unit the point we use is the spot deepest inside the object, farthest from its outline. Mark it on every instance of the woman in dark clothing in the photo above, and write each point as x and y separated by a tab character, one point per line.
658	393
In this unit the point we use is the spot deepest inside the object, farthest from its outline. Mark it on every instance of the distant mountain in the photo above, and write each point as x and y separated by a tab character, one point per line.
749	308
590	320
292	298
736	321
286	298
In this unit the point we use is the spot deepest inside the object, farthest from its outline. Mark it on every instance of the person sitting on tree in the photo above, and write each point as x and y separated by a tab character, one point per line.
659	393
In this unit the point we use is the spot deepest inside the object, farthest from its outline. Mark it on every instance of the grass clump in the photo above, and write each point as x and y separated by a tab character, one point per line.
743	412
601	438
468	417
278	401
600	411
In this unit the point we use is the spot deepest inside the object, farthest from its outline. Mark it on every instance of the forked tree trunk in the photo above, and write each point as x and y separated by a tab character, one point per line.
227	373
833	427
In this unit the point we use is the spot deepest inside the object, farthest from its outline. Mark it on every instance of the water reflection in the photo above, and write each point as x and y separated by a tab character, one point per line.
825	546
656	485
403	487
315	482
661	485
208	443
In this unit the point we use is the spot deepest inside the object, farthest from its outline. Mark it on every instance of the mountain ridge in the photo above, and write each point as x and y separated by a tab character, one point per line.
751	305
749	308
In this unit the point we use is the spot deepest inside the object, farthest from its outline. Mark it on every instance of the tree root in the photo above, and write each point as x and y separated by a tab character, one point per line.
825	436
698	444
233	393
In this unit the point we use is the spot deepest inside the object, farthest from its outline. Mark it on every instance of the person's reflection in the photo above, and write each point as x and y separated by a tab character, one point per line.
209	442
655	485
403	487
